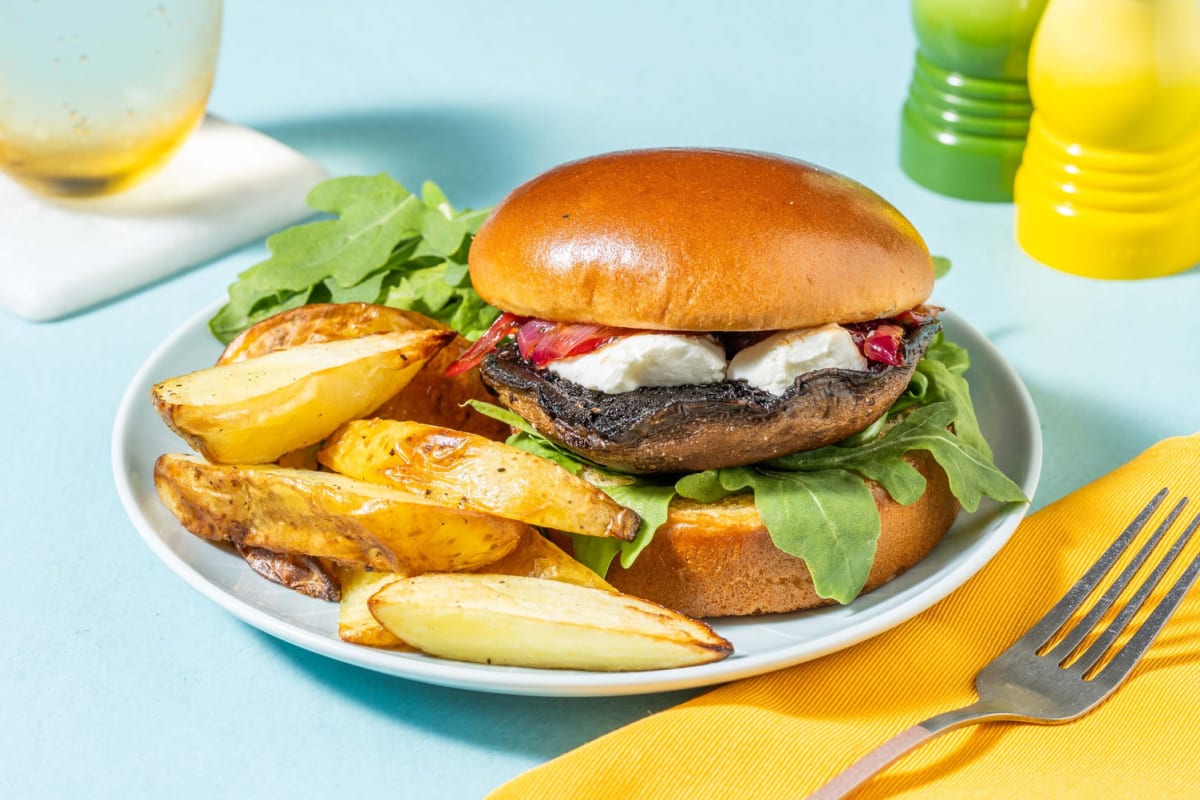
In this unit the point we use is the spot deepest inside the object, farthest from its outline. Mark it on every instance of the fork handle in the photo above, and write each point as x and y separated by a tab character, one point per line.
876	760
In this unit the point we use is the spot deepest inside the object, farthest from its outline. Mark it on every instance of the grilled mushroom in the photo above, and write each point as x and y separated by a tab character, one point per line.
702	426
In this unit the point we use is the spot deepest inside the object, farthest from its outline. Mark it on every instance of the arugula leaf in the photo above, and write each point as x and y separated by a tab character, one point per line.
651	502
939	378
941	265
384	245
952	355
945	386
828	518
544	448
703	487
365	292
972	474
508	418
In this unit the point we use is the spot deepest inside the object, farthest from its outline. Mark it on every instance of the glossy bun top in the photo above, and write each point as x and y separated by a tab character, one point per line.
699	239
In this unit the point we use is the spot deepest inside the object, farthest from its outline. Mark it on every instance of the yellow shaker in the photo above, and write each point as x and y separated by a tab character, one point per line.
1109	185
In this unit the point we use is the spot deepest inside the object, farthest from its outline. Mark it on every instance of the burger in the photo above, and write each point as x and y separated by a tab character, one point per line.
738	346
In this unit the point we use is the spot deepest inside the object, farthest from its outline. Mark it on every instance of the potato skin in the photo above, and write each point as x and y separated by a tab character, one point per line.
468	471
322	322
430	397
328	516
307	575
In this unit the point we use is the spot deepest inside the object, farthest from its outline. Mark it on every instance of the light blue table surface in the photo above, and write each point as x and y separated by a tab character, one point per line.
118	680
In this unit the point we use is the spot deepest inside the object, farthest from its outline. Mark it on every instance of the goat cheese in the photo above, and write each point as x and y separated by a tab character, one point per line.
646	359
773	364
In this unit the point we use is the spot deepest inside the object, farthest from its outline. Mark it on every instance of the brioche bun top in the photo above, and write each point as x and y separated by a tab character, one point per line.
700	240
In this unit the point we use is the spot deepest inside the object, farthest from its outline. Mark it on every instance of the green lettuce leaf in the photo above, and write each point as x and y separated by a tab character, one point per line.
828	518
939	377
509	418
649	501
384	245
972	474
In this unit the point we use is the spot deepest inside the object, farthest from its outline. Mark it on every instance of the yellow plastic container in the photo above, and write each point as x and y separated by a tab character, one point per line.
1109	186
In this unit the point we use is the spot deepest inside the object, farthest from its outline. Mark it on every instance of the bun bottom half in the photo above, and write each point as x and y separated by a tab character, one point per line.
717	560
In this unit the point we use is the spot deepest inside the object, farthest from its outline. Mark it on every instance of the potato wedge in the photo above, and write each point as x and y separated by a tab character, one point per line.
528	622
534	557
304	458
355	623
468	471
254	411
423	398
538	557
430	397
322	322
330	516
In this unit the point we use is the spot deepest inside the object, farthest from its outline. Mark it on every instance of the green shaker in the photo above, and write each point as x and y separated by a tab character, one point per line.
964	123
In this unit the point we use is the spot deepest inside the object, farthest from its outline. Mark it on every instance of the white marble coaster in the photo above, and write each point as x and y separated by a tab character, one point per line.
227	186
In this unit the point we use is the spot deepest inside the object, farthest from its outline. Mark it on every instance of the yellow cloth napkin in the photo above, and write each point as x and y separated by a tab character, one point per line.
782	735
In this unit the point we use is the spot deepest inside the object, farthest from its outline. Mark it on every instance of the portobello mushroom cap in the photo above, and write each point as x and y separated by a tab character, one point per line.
700	426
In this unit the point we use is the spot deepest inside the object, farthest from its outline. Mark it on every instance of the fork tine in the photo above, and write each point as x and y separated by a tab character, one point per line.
1071	640
1128	655
1047	626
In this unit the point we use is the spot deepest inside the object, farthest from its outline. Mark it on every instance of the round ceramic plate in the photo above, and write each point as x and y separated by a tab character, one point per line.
761	644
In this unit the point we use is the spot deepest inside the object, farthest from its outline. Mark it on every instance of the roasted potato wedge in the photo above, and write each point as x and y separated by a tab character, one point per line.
355	623
534	557
254	411
468	471
304	458
430	397
322	322
324	515
538	557
529	622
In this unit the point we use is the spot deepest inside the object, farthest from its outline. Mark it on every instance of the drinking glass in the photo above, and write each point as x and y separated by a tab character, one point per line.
95	95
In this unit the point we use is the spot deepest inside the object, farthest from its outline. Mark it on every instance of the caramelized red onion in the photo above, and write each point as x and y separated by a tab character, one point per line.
542	341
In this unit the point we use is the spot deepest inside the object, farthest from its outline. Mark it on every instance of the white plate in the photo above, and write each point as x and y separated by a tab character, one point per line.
761	644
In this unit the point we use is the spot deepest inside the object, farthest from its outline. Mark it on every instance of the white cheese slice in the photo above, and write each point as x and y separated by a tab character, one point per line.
647	359
773	364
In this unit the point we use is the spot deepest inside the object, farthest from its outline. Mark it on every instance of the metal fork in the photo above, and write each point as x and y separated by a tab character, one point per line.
1030	683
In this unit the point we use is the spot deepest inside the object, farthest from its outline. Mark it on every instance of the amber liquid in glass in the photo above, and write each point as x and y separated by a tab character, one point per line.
77	165
95	97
